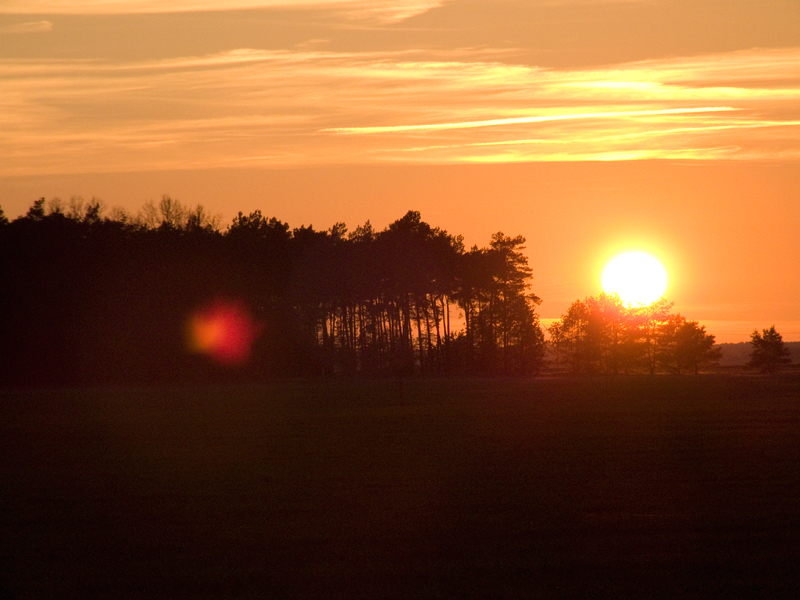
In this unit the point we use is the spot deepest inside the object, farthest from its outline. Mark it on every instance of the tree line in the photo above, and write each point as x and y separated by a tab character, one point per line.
95	298
603	335
91	297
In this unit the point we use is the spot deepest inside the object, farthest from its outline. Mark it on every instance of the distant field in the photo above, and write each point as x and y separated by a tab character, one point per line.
685	487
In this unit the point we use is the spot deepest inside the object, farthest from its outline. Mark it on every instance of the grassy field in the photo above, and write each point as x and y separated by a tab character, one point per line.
551	488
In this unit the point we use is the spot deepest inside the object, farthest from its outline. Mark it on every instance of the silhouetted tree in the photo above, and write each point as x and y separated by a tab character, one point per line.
94	211
512	319
172	212
614	333
575	338
684	346
769	351
602	335
502	331
557	341
597	335
37	210
75	208
648	319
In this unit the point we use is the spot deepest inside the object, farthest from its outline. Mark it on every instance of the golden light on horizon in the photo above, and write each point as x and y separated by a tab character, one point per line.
637	277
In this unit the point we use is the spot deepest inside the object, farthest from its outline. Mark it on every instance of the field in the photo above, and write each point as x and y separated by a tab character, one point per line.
548	488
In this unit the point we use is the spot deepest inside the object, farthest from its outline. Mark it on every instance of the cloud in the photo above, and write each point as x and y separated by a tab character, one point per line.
385	9
306	107
30	27
527	120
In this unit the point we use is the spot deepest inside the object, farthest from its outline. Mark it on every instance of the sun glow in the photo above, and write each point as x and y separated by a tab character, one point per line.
638	278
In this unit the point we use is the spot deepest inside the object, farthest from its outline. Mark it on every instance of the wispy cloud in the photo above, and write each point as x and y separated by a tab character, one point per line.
28	27
393	9
526	120
279	108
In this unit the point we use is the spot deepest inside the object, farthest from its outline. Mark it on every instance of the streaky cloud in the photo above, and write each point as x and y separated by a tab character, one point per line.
281	108
381	9
611	138
525	120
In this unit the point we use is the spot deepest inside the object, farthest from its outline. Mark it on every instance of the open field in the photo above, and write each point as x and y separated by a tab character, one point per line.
632	487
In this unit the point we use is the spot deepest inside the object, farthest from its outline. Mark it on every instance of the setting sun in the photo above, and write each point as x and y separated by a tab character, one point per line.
638	278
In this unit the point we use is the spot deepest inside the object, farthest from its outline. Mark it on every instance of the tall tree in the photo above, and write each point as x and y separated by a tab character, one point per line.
502	331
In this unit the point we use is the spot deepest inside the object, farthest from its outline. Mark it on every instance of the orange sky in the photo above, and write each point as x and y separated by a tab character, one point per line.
588	126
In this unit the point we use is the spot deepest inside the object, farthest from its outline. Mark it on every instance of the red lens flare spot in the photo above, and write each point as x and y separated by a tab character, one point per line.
224	331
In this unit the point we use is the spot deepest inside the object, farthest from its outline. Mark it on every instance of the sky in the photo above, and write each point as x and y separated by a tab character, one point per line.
590	127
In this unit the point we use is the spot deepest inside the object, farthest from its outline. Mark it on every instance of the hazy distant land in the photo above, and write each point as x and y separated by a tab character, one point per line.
734	355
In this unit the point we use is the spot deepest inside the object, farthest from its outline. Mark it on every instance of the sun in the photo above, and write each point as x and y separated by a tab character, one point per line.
638	278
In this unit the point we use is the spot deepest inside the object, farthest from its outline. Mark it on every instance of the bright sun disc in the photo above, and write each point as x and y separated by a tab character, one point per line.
638	278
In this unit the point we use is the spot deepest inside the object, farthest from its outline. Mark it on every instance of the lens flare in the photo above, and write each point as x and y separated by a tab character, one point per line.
224	331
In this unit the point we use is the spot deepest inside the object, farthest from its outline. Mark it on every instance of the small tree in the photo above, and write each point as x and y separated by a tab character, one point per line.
769	352
684	346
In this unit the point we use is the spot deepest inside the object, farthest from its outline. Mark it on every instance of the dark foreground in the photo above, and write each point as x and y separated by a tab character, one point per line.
665	488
